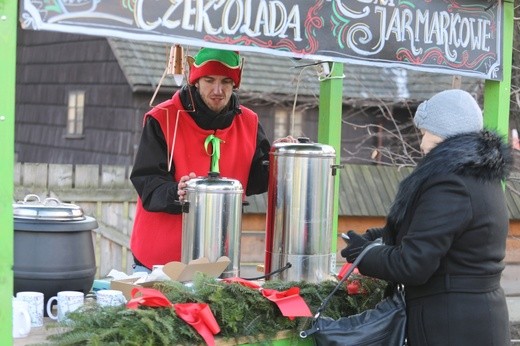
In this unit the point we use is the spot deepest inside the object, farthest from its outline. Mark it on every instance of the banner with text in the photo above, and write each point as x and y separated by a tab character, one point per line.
444	36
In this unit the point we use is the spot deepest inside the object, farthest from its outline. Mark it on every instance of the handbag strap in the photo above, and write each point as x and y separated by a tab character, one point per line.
354	265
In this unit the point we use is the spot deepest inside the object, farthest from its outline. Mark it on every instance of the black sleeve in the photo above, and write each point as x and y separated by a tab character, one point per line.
374	233
259	172
150	176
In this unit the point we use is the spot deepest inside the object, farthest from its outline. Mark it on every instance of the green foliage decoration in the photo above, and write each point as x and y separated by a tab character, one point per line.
241	312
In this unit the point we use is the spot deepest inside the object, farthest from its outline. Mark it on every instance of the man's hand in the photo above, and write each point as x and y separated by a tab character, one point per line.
288	139
182	185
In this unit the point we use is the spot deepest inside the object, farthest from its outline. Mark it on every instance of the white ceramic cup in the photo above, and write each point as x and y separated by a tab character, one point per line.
21	318
35	302
67	301
110	298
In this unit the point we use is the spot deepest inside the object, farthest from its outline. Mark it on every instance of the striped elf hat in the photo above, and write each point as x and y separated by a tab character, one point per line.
211	61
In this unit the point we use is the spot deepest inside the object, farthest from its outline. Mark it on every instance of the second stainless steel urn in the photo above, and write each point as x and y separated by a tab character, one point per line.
300	211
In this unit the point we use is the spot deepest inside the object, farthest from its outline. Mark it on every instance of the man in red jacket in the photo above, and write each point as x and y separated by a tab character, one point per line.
172	151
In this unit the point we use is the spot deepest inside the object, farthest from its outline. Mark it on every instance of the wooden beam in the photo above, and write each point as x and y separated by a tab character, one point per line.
456	82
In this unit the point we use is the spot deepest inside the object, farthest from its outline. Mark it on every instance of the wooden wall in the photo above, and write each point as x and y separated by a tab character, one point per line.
48	67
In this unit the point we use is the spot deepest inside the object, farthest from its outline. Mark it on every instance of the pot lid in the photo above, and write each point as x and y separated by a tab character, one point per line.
49	209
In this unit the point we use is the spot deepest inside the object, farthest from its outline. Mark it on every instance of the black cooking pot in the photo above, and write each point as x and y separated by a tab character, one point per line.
53	248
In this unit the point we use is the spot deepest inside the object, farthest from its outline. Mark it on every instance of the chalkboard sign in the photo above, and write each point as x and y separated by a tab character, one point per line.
446	36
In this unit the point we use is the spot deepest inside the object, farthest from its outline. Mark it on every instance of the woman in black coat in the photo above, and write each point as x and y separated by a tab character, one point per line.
445	236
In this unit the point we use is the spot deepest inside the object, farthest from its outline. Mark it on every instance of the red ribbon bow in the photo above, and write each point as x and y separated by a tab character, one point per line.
290	303
148	297
200	317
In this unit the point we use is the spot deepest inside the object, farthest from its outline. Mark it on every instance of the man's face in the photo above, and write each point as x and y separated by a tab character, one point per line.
215	91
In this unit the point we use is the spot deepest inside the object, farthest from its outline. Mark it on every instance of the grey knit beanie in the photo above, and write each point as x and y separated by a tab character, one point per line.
448	113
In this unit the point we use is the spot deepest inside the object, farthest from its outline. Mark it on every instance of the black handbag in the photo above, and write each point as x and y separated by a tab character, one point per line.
384	325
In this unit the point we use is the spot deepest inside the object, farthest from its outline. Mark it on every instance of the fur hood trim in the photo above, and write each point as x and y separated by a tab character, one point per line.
483	155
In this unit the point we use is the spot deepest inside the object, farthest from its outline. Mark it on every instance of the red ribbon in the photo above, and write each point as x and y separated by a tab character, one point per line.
200	317
148	297
353	286
345	269
242	282
290	303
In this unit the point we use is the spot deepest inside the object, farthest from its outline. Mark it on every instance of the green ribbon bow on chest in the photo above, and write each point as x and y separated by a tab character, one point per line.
215	154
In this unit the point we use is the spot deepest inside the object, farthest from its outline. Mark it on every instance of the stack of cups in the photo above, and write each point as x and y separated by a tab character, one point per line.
21	318
34	301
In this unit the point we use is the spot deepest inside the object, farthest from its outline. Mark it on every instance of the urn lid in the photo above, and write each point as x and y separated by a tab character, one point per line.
214	183
304	148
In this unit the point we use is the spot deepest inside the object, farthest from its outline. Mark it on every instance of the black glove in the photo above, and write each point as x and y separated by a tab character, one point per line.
356	244
373	233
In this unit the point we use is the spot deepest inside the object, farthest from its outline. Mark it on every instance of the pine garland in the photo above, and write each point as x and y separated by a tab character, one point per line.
240	312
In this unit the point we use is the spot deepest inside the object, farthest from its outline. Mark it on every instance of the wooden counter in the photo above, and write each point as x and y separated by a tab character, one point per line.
39	336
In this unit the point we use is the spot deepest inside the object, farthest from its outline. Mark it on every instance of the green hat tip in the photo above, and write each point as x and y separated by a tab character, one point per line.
226	57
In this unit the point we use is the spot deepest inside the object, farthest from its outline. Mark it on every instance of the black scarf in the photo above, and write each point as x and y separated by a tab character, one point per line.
204	117
483	155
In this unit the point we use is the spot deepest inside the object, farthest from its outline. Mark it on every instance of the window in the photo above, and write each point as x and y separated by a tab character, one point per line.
75	112
286	124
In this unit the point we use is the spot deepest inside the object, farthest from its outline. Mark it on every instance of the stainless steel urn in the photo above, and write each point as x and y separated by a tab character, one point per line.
212	221
300	211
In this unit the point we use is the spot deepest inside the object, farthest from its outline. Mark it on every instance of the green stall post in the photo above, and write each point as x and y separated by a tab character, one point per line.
8	20
329	127
497	94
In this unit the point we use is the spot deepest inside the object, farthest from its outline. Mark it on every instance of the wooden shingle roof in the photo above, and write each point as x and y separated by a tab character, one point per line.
143	64
368	190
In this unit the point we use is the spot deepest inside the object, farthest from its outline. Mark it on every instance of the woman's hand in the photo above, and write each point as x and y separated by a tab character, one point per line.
355	244
183	184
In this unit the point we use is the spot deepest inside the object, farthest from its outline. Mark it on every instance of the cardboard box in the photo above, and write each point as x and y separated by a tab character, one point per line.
176	271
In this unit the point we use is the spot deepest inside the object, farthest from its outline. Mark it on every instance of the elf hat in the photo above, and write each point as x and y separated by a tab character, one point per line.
211	61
